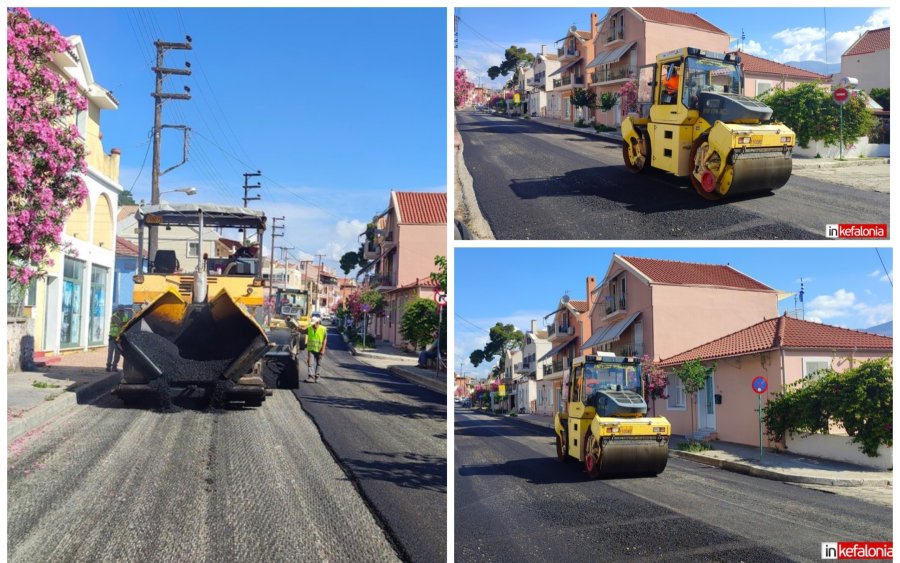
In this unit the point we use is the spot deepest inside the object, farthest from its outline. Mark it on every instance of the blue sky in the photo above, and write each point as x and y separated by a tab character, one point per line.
780	34
319	100
843	287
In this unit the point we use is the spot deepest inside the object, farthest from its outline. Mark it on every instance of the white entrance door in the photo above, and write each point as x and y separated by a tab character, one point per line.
706	404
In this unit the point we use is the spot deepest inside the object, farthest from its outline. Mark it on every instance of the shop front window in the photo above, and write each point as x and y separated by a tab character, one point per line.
73	282
98	304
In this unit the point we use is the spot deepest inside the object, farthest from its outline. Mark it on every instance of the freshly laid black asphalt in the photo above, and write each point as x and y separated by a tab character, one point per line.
391	436
514	501
533	181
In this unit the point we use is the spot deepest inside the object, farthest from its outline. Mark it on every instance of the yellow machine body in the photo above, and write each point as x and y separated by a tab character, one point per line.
706	130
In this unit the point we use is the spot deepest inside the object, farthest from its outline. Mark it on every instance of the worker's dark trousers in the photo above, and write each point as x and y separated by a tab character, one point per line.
112	354
318	357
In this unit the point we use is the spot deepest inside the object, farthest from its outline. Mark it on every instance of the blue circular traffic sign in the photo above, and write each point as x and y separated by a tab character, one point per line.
760	384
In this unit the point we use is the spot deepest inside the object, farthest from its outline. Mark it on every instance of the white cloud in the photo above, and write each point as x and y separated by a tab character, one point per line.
800	35
843	309
755	48
809	43
468	338
874	273
887	277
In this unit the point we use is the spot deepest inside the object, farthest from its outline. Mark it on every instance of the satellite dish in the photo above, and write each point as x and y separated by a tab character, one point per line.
573	28
565	298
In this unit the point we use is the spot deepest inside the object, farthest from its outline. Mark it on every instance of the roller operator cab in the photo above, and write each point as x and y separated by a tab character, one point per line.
605	423
693	120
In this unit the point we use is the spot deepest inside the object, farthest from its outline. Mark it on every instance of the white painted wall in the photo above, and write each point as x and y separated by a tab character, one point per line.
839	448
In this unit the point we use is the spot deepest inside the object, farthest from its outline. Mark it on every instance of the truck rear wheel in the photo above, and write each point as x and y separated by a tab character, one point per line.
591	456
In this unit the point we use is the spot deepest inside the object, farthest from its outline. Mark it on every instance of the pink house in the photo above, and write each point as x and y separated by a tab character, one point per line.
781	349
573	53
409	235
570	326
663	307
629	38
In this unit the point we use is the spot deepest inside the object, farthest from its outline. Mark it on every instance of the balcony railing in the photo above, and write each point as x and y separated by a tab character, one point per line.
370	250
578	80
562	329
567	52
551	368
614	304
612	74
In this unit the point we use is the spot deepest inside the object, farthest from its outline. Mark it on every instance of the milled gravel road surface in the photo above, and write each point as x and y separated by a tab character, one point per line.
514	501
107	483
538	182
391	436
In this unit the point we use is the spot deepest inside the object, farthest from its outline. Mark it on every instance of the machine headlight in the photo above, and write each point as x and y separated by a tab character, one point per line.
786	139
743	140
614	429
658	429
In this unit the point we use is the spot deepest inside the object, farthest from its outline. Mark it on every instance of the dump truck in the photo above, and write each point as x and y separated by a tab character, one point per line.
197	329
693	120
605	423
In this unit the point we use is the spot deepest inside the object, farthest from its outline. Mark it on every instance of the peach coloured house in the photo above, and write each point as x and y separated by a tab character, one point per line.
629	38
868	59
761	75
663	307
781	349
574	52
568	327
410	234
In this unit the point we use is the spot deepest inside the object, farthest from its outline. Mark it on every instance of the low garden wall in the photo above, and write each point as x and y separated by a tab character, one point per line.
838	448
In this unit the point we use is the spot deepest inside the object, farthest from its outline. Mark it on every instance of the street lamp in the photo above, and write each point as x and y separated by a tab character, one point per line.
189	191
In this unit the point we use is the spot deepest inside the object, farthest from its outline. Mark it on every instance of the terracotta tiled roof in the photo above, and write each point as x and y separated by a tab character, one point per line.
580	306
230	244
125	247
870	42
784	332
125	211
422	208
675	17
759	65
689	273
584	34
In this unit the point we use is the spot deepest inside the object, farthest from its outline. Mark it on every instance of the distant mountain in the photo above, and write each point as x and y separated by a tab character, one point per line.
885	329
817	66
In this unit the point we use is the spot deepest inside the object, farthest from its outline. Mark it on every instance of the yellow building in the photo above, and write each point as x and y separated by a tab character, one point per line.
71	305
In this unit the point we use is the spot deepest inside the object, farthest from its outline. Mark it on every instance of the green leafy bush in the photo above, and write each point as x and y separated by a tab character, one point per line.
859	399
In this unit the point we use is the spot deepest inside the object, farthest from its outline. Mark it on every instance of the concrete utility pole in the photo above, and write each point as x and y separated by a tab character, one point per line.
284	250
248	187
159	96
272	260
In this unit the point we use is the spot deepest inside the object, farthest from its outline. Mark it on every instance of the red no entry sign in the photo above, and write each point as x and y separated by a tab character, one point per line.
840	96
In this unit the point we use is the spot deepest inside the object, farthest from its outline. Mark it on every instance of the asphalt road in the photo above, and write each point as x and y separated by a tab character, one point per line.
538	182
514	501
108	483
391	436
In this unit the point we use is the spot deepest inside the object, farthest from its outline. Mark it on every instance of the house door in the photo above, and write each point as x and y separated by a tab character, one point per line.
706	404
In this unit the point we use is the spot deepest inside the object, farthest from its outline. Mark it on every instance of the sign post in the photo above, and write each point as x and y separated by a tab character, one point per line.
840	96
441	299
759	385
365	308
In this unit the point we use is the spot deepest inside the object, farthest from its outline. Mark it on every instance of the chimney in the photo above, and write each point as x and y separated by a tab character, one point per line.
543	49
534	323
595	30
591	285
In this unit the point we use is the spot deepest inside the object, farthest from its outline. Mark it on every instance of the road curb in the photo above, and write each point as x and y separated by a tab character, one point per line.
465	192
754	471
802	164
435	385
39	415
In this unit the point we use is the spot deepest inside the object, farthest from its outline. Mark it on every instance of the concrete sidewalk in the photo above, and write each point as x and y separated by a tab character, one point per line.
777	466
35	397
401	364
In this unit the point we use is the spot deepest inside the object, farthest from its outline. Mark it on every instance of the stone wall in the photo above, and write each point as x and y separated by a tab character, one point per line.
19	344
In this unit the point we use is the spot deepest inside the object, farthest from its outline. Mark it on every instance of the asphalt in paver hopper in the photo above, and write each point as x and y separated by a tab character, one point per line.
173	346
605	423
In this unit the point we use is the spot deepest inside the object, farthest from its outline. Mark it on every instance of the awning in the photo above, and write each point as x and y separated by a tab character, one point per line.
610	57
553	352
567	67
610	333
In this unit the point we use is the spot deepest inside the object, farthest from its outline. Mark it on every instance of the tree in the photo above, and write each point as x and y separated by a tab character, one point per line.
811	113
608	100
419	322
860	399
45	154
513	58
655	381
440	277
502	338
628	95
693	378
351	260
584	98
882	96
126	198
461	87
371	297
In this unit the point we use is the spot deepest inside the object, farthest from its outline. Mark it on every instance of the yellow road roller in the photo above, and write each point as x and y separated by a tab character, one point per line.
605	423
693	120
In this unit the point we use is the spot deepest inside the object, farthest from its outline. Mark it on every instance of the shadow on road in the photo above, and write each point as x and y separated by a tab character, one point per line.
649	193
498	426
406	469
536	471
